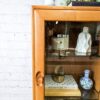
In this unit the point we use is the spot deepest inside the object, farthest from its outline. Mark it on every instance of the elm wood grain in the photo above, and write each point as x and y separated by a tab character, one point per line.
70	63
62	92
68	13
33	57
69	69
62	98
90	95
45	13
39	55
40	7
96	70
72	58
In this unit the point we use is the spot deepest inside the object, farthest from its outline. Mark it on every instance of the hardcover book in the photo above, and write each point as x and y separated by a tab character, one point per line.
83	3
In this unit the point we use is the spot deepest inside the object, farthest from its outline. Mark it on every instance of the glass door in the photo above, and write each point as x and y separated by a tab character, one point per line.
64	63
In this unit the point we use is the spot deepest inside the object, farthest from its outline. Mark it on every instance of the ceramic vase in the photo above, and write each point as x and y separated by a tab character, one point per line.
85	82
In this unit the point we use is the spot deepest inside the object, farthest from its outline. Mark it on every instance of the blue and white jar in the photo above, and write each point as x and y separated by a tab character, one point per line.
85	82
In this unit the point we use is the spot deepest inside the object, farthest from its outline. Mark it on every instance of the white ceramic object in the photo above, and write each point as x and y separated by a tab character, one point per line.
49	2
85	82
84	42
58	2
62	2
60	42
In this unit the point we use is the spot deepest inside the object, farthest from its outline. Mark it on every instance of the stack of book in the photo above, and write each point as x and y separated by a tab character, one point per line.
83	3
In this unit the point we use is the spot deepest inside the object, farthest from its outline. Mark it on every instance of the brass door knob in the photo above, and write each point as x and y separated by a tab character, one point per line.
39	79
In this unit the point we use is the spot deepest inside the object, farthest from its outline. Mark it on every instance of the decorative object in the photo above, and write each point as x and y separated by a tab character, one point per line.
58	2
49	2
58	74
85	82
62	2
84	3
84	42
60	42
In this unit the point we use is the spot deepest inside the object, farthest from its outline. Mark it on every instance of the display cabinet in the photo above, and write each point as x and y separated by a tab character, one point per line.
57	67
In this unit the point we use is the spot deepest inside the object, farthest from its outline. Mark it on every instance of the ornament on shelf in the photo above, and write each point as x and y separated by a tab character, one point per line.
84	42
49	2
58	74
85	82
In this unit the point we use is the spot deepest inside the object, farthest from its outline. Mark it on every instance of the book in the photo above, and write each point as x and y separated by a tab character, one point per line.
83	3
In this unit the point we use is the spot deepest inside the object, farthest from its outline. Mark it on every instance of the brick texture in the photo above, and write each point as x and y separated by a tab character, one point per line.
15	49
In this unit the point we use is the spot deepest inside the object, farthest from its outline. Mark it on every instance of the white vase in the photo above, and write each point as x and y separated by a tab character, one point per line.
49	2
58	2
62	2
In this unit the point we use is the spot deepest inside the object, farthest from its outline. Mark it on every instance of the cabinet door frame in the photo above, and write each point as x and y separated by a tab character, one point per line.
40	15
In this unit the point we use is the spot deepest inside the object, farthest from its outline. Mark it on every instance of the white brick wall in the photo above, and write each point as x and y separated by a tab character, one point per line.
15	49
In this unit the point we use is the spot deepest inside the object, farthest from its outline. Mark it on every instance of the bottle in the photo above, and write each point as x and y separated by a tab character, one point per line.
85	82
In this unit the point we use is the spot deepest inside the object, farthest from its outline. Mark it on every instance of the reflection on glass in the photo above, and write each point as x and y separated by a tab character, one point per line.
62	40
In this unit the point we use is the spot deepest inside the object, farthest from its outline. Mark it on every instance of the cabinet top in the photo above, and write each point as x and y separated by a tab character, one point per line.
42	7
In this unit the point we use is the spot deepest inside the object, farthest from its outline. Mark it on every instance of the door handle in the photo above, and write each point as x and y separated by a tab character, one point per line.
39	79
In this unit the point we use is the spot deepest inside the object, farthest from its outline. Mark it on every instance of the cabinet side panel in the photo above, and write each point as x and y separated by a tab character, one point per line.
96	70
33	55
70	15
39	56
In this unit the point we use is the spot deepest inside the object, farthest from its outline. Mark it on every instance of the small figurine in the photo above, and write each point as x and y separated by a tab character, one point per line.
84	42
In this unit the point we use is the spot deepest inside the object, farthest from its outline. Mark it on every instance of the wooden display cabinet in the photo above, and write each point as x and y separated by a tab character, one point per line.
74	65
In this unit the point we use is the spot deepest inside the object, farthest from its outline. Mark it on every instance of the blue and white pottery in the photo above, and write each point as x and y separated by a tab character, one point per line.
85	82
